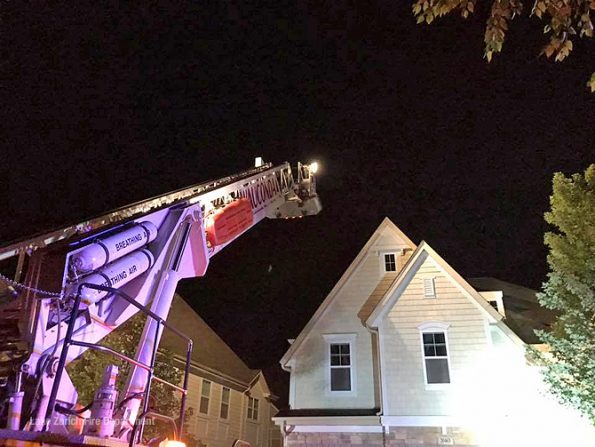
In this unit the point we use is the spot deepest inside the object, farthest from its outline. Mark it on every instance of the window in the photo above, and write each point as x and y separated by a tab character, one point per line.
341	377
340	366
429	288
390	262
252	408
224	410
205	396
435	358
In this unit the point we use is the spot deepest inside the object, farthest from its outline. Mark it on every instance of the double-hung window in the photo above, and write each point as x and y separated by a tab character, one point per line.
224	410
252	409
341	377
435	354
205	397
340	366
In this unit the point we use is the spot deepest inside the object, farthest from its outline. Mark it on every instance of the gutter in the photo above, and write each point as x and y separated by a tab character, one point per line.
374	331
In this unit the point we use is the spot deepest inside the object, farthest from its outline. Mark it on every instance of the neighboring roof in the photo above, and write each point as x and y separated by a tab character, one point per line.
404	277
385	224
209	351
523	312
316	412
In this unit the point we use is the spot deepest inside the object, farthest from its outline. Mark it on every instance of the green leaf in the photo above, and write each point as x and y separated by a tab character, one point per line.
591	83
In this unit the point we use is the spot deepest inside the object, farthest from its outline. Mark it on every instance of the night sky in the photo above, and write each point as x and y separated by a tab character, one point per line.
105	105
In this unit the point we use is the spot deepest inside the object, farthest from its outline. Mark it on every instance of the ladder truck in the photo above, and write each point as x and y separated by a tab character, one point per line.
75	285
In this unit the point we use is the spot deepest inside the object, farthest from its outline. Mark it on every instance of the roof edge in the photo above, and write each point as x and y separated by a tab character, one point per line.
386	223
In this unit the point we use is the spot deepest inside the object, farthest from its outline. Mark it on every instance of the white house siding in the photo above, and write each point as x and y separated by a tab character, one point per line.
402	361
357	297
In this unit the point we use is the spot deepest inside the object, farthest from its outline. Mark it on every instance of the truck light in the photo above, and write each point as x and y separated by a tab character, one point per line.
171	443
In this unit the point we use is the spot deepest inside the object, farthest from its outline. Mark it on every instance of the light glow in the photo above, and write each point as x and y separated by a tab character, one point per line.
314	167
171	443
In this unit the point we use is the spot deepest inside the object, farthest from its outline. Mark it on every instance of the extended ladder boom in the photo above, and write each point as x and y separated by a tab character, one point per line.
142	250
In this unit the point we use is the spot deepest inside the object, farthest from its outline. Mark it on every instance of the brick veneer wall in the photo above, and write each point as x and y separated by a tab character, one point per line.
394	437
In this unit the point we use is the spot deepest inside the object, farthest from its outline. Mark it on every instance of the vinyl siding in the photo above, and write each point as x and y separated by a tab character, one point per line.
406	391
217	432
345	315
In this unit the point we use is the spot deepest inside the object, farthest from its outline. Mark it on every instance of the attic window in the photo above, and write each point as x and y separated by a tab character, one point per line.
429	288
390	262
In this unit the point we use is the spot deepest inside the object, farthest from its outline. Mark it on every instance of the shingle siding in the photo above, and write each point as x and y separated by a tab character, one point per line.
402	355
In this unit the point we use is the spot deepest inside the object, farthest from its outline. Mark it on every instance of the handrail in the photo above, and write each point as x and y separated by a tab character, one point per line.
68	341
84	344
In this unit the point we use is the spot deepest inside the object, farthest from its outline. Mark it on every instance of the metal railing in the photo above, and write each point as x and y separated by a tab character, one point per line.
137	429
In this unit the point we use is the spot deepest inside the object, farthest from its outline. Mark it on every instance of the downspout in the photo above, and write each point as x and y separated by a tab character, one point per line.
374	331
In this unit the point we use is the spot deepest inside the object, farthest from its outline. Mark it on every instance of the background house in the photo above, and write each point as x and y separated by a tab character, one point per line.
405	351
229	401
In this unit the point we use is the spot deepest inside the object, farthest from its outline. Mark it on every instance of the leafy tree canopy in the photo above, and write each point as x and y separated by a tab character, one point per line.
570	291
86	372
565	19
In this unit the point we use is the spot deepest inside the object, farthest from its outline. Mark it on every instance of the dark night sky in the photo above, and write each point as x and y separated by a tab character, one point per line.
105	105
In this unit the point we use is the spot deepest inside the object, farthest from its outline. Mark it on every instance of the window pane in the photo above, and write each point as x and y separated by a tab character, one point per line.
429	351
206	388
439	338
344	348
437	371
389	263
335	349
428	338
335	360
255	412
224	411
345	360
225	395
341	379
249	412
441	350
204	405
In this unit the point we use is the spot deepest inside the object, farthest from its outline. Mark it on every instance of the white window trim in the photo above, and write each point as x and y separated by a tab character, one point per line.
221	403
382	265
202	384
346	339
251	419
429	327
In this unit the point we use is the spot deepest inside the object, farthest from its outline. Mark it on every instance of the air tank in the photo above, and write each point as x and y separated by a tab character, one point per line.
105	250
115	274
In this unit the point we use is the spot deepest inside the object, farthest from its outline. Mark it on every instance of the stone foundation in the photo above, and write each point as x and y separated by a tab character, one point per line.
395	437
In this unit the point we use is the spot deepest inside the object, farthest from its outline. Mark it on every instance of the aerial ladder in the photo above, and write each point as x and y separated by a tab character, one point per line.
76	285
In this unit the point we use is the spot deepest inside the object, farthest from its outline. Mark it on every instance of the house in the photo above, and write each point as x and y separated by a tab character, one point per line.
404	351
229	401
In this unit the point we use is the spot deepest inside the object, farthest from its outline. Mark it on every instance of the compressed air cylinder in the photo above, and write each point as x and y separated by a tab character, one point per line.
116	274
105	250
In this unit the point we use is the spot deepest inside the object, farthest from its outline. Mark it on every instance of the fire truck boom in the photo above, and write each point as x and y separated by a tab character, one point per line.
107	269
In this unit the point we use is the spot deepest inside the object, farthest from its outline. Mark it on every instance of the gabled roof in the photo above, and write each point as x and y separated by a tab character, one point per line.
385	224
524	314
408	272
209	350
